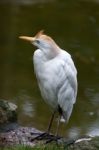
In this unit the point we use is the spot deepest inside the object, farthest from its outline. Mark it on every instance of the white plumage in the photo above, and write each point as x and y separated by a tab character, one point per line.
56	74
57	80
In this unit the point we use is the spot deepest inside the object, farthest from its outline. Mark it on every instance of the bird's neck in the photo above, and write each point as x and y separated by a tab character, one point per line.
52	52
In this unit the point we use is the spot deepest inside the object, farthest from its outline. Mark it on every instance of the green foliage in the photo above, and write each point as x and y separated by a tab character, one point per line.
39	147
19	147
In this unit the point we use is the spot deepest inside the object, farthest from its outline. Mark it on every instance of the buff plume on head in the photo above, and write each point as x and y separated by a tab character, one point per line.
44	43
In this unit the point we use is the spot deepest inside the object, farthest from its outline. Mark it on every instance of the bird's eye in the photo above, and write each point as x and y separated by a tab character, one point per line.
37	41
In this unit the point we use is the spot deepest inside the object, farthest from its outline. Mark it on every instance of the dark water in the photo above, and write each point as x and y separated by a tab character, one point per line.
75	27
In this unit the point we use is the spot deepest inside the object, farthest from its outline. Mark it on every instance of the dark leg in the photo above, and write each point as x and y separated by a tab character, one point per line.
43	135
58	125
51	121
56	137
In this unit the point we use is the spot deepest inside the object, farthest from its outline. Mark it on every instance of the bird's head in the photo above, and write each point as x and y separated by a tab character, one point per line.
43	42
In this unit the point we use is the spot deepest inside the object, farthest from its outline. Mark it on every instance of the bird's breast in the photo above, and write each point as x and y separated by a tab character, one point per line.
47	85
47	82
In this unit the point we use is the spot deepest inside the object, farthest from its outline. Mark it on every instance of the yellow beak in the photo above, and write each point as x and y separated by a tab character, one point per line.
26	38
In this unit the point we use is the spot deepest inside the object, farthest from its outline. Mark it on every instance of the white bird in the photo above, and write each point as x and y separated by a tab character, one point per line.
56	75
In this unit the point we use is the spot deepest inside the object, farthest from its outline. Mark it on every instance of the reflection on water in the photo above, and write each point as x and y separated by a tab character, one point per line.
94	130
75	27
74	132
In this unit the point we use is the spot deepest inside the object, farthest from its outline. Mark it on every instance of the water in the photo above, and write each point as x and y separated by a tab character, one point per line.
75	27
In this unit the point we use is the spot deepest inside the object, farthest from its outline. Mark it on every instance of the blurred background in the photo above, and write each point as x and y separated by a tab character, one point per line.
74	25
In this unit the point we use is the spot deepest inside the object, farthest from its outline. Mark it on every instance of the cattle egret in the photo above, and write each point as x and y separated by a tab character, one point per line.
56	75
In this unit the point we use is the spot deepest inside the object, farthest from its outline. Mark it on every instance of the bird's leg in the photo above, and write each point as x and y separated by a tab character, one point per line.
51	121
43	135
58	125
59	118
56	137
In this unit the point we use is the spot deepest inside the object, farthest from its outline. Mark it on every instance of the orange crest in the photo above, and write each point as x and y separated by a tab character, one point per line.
39	33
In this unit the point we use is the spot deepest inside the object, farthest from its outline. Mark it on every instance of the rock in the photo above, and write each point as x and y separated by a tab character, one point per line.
21	135
7	112
25	135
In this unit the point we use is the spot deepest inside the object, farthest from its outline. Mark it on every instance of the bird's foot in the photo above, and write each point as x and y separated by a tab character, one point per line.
52	138
41	136
47	137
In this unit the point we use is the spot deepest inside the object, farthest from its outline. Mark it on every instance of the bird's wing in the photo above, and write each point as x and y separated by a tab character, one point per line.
67	89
